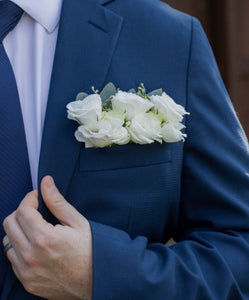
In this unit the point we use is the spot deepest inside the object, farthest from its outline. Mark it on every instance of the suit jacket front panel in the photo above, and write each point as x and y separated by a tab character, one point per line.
147	184
125	186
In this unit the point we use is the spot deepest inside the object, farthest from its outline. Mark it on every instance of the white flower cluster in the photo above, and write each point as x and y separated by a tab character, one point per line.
132	119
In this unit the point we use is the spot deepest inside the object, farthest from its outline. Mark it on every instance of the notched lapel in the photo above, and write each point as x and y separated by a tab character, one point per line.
87	38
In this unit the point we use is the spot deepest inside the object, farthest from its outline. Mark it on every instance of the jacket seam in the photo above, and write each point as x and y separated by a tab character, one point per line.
187	120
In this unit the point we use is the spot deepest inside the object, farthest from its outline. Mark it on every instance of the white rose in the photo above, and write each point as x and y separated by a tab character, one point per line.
97	135
120	136
103	133
131	104
145	129
172	132
168	109
86	111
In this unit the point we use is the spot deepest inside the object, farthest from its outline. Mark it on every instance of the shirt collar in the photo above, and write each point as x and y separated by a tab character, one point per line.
45	12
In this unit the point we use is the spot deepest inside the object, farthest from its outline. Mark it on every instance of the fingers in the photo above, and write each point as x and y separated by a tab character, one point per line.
25	227
19	242
29	219
15	235
26	230
58	206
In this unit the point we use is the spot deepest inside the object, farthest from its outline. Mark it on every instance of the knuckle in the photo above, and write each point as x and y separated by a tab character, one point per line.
41	241
29	259
14	238
20	212
6	222
28	198
30	194
58	201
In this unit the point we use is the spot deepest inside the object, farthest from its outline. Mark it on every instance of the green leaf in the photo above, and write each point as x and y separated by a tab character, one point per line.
108	91
81	96
157	92
133	91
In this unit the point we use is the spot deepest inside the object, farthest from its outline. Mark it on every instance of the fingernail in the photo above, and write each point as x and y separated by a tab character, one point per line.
50	182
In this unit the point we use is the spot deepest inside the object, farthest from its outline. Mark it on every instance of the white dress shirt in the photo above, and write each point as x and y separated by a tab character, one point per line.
31	48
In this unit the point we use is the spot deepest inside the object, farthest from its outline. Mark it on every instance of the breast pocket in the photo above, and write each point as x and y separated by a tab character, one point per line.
112	184
123	157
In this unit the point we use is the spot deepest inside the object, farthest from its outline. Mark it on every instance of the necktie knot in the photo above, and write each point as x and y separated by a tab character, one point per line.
10	14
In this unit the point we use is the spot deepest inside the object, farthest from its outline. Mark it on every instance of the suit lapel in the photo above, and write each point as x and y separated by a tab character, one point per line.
86	40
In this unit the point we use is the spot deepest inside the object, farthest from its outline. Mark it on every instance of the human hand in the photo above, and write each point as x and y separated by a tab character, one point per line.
52	262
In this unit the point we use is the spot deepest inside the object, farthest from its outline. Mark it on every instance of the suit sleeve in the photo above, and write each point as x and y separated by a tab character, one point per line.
211	259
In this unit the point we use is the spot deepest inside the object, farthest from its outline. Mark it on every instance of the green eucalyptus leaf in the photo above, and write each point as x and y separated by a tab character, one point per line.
157	92
132	91
81	96
108	91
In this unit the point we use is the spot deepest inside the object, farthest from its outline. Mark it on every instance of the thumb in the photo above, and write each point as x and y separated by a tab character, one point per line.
57	204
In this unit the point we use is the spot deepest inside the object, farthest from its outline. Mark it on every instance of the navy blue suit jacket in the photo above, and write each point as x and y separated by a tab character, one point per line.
137	197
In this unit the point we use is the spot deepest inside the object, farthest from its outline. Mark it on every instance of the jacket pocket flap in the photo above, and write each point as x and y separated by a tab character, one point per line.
125	156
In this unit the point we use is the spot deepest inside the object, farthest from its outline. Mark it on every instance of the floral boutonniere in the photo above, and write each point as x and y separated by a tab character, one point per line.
117	117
